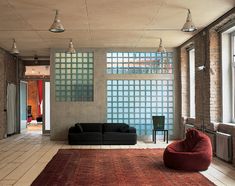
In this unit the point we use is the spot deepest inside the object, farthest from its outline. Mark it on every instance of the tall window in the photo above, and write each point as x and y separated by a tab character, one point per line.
228	75
192	82
233	72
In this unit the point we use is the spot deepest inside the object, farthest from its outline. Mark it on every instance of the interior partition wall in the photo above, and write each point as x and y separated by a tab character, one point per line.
139	86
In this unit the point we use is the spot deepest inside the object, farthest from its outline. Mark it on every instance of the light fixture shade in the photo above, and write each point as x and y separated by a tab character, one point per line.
71	49
56	26
189	26
14	49
161	48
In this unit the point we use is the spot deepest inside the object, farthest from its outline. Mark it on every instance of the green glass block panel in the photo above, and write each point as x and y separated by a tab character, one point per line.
74	77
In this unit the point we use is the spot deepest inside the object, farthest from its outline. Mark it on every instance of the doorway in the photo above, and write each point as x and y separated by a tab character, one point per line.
37	106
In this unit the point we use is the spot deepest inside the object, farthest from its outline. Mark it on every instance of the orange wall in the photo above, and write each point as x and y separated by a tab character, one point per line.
33	97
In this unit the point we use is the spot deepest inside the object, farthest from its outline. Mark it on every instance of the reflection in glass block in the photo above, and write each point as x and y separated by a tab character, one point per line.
139	63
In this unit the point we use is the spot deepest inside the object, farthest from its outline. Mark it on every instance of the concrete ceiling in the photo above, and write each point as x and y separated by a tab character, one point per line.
102	23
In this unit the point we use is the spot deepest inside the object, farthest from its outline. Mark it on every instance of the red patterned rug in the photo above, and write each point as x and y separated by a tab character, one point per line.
114	167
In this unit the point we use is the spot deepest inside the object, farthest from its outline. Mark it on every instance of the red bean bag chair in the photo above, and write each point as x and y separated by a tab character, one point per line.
192	154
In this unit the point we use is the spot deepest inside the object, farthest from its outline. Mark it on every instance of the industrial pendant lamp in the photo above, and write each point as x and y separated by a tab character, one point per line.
56	26
14	49
71	49
161	48
189	26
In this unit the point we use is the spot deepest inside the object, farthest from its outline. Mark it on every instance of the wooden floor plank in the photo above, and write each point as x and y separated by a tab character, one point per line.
23	156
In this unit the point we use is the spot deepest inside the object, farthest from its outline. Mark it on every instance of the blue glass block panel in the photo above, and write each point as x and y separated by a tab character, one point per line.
137	107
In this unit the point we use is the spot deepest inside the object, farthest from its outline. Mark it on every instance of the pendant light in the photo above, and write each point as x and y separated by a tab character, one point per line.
56	26
189	26
161	48
71	49
14	49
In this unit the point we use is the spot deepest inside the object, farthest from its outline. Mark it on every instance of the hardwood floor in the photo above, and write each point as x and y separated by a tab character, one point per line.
23	156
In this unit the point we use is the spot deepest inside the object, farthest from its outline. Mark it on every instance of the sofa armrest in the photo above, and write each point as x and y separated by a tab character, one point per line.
74	130
132	130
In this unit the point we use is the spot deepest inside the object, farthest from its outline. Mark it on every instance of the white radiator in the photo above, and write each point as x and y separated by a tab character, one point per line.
224	146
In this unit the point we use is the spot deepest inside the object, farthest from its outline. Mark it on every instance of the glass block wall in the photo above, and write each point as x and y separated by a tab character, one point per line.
139	63
74	76
135	102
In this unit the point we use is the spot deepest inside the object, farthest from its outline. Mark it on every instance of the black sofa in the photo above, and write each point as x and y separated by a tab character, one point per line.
102	133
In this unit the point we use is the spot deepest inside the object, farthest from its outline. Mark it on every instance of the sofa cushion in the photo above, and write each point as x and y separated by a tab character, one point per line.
91	127
116	127
124	128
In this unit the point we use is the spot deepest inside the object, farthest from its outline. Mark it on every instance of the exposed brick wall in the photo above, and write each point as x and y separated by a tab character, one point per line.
7	74
202	80
33	97
215	74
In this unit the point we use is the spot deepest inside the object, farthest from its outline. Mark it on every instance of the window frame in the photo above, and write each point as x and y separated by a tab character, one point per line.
192	111
232	57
